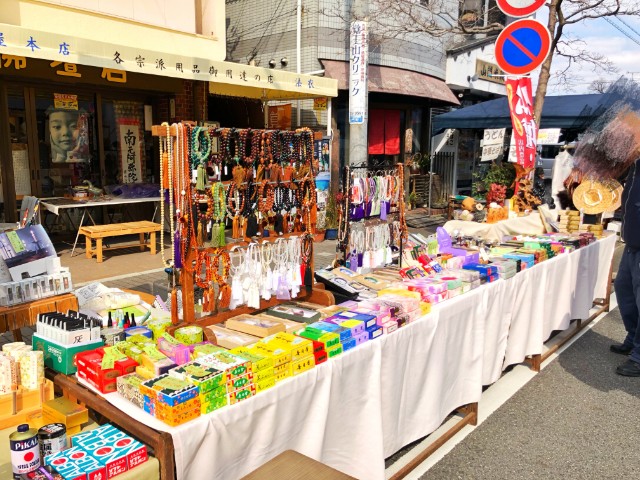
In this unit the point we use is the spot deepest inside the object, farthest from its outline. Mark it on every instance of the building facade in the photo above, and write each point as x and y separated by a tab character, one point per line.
83	81
406	74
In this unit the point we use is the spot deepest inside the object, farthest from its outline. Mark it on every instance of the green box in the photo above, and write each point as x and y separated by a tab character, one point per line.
61	357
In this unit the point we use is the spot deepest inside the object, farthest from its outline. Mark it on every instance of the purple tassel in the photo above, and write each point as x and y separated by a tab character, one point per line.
383	210
176	250
166	196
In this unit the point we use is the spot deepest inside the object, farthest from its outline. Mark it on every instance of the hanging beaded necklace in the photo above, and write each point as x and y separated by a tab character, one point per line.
200	147
219	202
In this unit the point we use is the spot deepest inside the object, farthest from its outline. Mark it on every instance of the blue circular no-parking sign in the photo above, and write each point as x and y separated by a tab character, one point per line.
522	46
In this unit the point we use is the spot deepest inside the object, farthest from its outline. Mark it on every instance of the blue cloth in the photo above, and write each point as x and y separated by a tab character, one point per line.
627	287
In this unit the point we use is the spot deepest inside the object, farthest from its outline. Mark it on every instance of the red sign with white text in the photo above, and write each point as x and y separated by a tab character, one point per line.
525	130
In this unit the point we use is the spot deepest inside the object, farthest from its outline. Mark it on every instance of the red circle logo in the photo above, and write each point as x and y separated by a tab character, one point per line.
78	455
520	8
28	456
59	461
104	451
123	442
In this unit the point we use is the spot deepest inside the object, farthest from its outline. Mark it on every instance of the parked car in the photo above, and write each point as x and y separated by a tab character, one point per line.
547	156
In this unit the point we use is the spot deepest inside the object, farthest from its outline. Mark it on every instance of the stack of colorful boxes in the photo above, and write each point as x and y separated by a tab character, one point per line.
170	399
100	453
101	370
262	367
211	383
237	373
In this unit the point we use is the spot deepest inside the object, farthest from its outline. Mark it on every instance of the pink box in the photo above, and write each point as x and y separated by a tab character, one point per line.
389	327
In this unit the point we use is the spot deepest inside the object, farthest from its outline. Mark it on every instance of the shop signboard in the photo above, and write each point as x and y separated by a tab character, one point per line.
320	103
548	136
489	71
525	130
522	46
492	144
358	63
130	150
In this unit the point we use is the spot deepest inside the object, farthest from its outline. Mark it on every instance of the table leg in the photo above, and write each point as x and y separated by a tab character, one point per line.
152	241
142	242
99	249
88	246
84	211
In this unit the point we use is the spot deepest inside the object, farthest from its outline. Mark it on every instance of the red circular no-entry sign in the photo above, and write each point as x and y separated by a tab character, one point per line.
519	8
522	46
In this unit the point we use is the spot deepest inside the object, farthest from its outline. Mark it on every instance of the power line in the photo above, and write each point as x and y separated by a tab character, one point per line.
628	26
625	33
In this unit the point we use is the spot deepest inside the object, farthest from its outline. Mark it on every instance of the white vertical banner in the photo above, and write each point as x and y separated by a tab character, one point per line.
359	59
130	152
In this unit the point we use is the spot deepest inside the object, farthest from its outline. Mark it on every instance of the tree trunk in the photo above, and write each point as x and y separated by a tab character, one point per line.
545	71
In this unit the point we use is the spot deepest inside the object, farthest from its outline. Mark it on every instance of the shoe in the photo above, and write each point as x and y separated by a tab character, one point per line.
629	369
620	348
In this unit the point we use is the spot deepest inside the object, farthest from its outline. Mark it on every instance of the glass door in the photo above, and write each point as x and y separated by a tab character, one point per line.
21	176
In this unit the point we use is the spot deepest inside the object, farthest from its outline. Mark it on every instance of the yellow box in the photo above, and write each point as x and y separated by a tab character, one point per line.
265	384
263	374
259	362
281	376
301	347
145	373
285	367
302	365
65	411
278	354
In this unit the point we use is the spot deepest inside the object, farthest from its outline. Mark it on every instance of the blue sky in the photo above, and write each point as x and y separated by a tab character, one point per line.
603	38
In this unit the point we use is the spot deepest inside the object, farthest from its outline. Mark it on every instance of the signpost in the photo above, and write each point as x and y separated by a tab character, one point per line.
522	46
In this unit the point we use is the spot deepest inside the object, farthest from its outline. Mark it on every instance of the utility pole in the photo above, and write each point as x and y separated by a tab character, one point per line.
358	91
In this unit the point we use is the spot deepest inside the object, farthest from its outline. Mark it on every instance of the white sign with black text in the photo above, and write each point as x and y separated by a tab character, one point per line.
492	144
359	59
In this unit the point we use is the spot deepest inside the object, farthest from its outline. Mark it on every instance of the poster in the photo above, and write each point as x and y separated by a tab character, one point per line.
280	117
25	251
130	150
525	130
492	144
68	130
358	61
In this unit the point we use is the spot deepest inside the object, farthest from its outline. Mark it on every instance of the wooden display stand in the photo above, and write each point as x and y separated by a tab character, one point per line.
309	294
27	405
25	315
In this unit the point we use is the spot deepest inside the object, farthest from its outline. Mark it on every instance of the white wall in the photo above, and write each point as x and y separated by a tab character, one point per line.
145	24
463	65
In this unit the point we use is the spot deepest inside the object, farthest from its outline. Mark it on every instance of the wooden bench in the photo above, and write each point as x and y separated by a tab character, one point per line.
99	232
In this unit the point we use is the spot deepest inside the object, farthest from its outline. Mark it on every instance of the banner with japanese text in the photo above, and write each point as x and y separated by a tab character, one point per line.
525	130
358	62
129	143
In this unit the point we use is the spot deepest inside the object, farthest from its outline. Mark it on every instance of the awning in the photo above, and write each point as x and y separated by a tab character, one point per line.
566	111
225	78
269	84
393	80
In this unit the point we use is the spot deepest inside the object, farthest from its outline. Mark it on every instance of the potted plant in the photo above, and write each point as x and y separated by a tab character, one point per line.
424	163
413	198
331	217
414	164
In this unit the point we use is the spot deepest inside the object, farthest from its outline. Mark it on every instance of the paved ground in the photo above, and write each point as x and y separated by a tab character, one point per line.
577	419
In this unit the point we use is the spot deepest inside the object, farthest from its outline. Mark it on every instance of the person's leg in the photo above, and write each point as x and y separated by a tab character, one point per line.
626	289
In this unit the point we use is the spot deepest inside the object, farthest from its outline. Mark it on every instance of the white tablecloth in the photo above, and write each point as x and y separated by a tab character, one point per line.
357	409
55	205
530	225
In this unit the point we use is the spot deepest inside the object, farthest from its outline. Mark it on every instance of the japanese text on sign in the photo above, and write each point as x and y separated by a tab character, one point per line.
359	49
130	152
